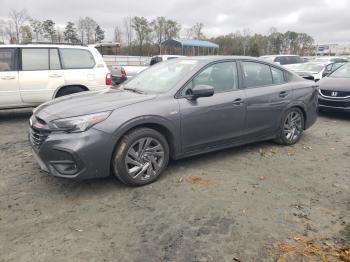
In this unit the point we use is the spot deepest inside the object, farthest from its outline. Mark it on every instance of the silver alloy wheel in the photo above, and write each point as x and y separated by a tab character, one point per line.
292	127
144	158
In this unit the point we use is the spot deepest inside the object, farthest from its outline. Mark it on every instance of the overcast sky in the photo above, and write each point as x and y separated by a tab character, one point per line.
328	21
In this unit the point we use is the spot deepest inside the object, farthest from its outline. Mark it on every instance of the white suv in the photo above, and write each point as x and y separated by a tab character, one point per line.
35	73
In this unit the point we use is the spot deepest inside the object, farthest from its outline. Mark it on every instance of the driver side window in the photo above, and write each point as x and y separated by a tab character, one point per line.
223	77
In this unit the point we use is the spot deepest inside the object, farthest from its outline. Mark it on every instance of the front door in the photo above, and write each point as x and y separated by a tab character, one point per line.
217	120
9	87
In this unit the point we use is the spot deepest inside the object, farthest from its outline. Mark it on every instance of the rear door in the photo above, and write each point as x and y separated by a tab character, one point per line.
9	87
41	74
79	68
267	96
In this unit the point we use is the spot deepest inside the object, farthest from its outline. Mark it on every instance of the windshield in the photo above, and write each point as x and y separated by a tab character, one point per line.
161	77
343	71
310	67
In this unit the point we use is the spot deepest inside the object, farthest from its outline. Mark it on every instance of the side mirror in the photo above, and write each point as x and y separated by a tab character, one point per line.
278	63
201	91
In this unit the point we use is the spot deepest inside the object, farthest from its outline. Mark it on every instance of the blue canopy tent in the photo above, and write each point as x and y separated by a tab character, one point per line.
189	47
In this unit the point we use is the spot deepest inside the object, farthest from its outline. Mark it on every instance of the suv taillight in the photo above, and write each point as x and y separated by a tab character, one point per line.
122	72
108	79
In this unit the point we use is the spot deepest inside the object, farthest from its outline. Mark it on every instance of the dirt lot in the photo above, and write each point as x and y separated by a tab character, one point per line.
234	205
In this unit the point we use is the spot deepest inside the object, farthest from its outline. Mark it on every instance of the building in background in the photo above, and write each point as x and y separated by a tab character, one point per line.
333	49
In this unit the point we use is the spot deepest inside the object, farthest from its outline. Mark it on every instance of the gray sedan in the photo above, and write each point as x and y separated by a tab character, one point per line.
175	109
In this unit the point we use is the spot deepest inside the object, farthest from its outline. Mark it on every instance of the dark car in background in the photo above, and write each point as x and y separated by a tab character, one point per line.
175	109
334	92
284	60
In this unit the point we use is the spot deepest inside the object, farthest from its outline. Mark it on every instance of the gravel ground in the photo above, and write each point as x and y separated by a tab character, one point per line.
233	205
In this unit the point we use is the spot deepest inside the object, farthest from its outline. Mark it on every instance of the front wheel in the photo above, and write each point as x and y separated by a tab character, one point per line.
140	157
292	127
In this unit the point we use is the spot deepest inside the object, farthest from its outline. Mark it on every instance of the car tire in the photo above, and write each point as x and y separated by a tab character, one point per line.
69	90
140	157
291	127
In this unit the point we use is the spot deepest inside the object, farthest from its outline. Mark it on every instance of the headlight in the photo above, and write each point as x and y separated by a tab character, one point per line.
79	123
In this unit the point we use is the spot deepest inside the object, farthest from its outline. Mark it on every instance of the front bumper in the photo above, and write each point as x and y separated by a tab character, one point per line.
74	155
334	104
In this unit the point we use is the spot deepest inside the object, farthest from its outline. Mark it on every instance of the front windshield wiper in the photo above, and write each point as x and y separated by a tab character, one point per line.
134	90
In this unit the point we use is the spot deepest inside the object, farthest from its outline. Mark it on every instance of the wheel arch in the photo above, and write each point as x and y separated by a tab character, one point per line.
301	107
161	125
67	86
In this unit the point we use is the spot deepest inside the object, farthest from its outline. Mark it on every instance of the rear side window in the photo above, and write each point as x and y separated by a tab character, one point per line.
257	74
35	59
7	59
277	76
76	59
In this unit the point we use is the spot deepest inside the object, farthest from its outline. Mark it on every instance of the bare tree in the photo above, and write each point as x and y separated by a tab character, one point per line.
246	37
127	23
117	35
10	32
90	26
2	31
196	31
86	29
142	29
18	18
81	29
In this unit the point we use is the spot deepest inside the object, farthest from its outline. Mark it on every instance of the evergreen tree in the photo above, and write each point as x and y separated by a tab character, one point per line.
99	34
70	33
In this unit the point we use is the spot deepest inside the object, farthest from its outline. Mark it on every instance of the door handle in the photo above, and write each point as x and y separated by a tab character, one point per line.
55	76
283	94
8	77
238	101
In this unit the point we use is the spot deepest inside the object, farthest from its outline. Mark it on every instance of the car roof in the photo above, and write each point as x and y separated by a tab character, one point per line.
277	55
222	57
45	46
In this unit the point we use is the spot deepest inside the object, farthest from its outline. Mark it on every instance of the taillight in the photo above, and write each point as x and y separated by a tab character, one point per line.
122	72
108	79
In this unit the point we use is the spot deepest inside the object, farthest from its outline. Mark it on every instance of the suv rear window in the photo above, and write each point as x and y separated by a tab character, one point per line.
35	59
7	59
76	59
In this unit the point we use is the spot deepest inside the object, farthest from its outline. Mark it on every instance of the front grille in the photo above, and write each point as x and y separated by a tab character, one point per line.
341	104
38	131
332	93
38	136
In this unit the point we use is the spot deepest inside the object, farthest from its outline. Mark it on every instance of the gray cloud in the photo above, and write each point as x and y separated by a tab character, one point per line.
326	20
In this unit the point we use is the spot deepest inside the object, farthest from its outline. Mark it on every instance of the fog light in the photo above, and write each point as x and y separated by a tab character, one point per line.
68	168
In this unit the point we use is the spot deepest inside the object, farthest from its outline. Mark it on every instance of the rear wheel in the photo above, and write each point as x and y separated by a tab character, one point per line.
292	127
140	157
68	90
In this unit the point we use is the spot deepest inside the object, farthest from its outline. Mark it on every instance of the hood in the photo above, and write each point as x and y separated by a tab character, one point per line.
91	102
336	84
